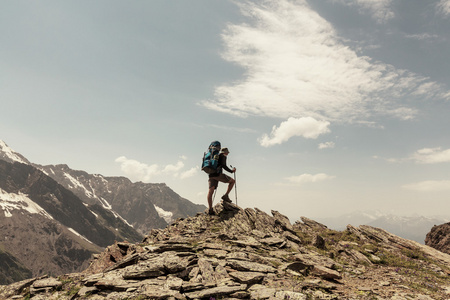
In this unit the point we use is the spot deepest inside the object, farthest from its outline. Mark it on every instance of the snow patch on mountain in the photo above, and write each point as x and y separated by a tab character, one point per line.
12	201
79	235
78	184
166	215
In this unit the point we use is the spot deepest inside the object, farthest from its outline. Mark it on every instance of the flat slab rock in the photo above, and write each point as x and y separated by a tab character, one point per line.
242	265
247	277
216	291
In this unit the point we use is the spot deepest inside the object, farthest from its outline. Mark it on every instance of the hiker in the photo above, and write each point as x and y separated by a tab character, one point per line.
219	176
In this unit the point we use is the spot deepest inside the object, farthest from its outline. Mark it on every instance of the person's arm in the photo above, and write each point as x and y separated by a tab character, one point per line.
223	162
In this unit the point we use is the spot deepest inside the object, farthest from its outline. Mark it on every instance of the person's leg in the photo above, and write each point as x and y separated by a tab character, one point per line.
213	183
230	186
227	179
210	195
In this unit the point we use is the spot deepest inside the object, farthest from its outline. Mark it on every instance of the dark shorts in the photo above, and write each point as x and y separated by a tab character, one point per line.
214	181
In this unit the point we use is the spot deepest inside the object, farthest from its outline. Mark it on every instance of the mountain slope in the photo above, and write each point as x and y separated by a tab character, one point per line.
248	254
11	270
60	203
48	227
45	227
144	205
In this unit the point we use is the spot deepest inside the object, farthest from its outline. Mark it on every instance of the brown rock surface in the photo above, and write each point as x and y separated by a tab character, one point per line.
439	238
248	254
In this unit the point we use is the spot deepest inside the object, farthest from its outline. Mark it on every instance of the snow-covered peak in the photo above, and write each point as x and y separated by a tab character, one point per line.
9	154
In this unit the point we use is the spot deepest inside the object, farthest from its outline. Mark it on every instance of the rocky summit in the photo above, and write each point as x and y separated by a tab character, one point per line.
249	254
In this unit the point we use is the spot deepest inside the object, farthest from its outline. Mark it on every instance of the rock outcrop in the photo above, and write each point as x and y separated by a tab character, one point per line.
439	238
249	254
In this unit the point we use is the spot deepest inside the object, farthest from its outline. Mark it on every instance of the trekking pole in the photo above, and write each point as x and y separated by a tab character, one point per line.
214	196
235	185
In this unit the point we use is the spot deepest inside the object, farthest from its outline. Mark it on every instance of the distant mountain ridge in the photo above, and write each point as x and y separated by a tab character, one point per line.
143	205
62	216
410	227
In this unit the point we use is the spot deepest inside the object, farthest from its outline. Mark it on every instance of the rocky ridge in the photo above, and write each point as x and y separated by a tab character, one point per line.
248	254
439	238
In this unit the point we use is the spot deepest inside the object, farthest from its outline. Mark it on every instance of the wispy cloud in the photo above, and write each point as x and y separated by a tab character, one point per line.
380	10
431	155
231	128
296	65
138	171
429	186
308	128
443	7
423	36
309	178
326	145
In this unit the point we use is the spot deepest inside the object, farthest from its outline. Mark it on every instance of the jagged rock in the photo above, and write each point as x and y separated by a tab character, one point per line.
145	269
250	241
325	273
313	224
439	238
242	265
259	291
292	237
318	242
248	277
44	285
87	290
312	258
272	241
216	291
298	268
290	295
159	292
207	272
357	256
248	254
282	220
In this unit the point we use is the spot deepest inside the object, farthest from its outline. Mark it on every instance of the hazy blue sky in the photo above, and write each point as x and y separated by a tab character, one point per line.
326	106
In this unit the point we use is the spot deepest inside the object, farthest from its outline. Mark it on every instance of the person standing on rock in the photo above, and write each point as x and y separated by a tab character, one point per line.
219	176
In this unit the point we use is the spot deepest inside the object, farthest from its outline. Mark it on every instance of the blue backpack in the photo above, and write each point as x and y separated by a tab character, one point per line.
211	158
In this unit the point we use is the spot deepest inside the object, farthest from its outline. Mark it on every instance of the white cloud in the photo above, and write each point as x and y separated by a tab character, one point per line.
379	9
443	7
296	65
138	171
309	178
189	173
327	145
308	128
429	186
431	155
173	168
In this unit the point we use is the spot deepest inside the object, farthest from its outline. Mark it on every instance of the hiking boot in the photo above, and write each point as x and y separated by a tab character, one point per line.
226	198
211	212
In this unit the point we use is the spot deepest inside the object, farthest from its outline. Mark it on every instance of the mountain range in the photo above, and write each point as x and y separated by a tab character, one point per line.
64	216
409	227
